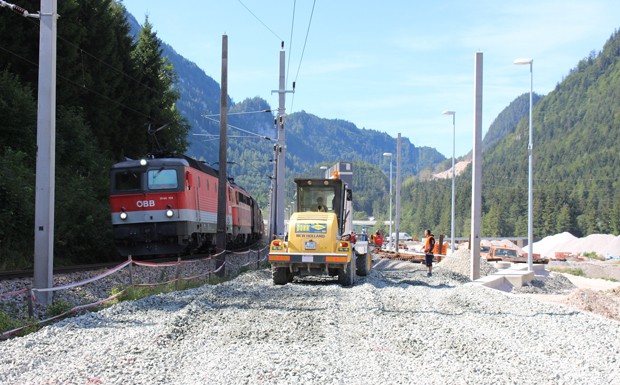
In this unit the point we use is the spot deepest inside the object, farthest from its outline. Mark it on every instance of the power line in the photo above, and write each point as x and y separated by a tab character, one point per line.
240	129
257	18
302	53
288	65
240	113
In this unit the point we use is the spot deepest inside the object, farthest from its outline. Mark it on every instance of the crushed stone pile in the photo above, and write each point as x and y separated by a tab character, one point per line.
551	284
460	262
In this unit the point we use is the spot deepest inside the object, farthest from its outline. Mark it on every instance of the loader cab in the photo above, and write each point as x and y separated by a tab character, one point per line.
323	195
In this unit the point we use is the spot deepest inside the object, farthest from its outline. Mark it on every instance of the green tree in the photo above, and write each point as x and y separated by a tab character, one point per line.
157	76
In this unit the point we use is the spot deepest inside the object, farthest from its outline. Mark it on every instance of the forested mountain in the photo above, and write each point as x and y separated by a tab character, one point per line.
508	119
576	152
310	140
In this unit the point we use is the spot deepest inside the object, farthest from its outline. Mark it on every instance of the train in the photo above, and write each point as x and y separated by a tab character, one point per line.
167	205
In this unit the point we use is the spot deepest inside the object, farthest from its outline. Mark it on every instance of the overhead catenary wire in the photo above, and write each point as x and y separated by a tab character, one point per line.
257	18
239	128
302	53
288	65
240	113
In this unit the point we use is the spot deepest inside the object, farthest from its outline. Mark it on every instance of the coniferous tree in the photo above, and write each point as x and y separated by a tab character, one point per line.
157	77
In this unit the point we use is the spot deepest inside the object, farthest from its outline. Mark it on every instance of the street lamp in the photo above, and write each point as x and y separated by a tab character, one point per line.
530	148
453	113
389	154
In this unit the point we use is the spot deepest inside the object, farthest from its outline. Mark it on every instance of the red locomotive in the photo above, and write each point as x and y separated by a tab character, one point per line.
168	205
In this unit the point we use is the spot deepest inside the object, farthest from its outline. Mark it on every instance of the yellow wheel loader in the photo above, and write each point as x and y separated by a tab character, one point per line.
317	241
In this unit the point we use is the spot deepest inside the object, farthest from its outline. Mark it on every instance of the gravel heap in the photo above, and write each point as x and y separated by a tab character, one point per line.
394	326
552	284
460	262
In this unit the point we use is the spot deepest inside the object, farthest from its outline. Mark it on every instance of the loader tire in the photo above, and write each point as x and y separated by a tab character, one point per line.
346	274
280	276
363	264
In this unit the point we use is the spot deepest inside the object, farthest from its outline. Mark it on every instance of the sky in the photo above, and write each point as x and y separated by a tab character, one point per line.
390	66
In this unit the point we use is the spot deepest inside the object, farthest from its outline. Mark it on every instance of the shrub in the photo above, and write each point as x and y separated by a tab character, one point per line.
592	255
572	271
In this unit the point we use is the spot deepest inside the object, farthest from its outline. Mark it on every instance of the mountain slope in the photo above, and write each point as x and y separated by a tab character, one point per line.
310	140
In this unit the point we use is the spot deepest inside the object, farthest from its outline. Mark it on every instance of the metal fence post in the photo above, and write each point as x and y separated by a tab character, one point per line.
176	281
130	271
30	306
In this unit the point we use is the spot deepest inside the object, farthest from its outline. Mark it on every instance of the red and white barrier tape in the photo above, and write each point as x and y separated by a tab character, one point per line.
13	293
160	264
70	311
89	280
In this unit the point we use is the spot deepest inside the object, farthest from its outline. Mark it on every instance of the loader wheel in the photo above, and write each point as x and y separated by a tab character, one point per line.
346	274
280	276
363	264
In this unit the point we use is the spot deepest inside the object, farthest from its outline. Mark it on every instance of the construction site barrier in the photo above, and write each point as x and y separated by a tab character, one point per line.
31	292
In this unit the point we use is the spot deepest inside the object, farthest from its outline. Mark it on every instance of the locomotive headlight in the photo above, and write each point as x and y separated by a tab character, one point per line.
142	162
169	212
123	215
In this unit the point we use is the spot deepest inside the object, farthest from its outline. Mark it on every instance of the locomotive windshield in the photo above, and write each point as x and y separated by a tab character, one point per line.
133	180
162	179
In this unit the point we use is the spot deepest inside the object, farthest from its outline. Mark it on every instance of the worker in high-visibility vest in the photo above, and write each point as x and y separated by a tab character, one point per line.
379	239
429	245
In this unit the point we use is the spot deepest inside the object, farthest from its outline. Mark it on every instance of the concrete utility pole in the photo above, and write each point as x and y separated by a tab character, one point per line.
398	180
476	183
220	242
46	153
280	150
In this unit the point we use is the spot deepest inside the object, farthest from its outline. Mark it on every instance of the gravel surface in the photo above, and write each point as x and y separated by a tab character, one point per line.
395	326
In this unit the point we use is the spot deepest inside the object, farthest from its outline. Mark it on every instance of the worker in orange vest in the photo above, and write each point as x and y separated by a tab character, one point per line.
379	239
429	245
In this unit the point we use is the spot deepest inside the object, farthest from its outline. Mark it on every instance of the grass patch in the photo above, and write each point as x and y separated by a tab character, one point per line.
138	292
8	323
611	279
57	308
592	255
571	271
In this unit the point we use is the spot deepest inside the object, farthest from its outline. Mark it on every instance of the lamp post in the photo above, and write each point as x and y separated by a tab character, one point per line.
453	113
530	147
389	154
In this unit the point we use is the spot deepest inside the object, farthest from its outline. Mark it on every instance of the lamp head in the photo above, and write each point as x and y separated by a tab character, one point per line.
524	60
386	154
449	113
